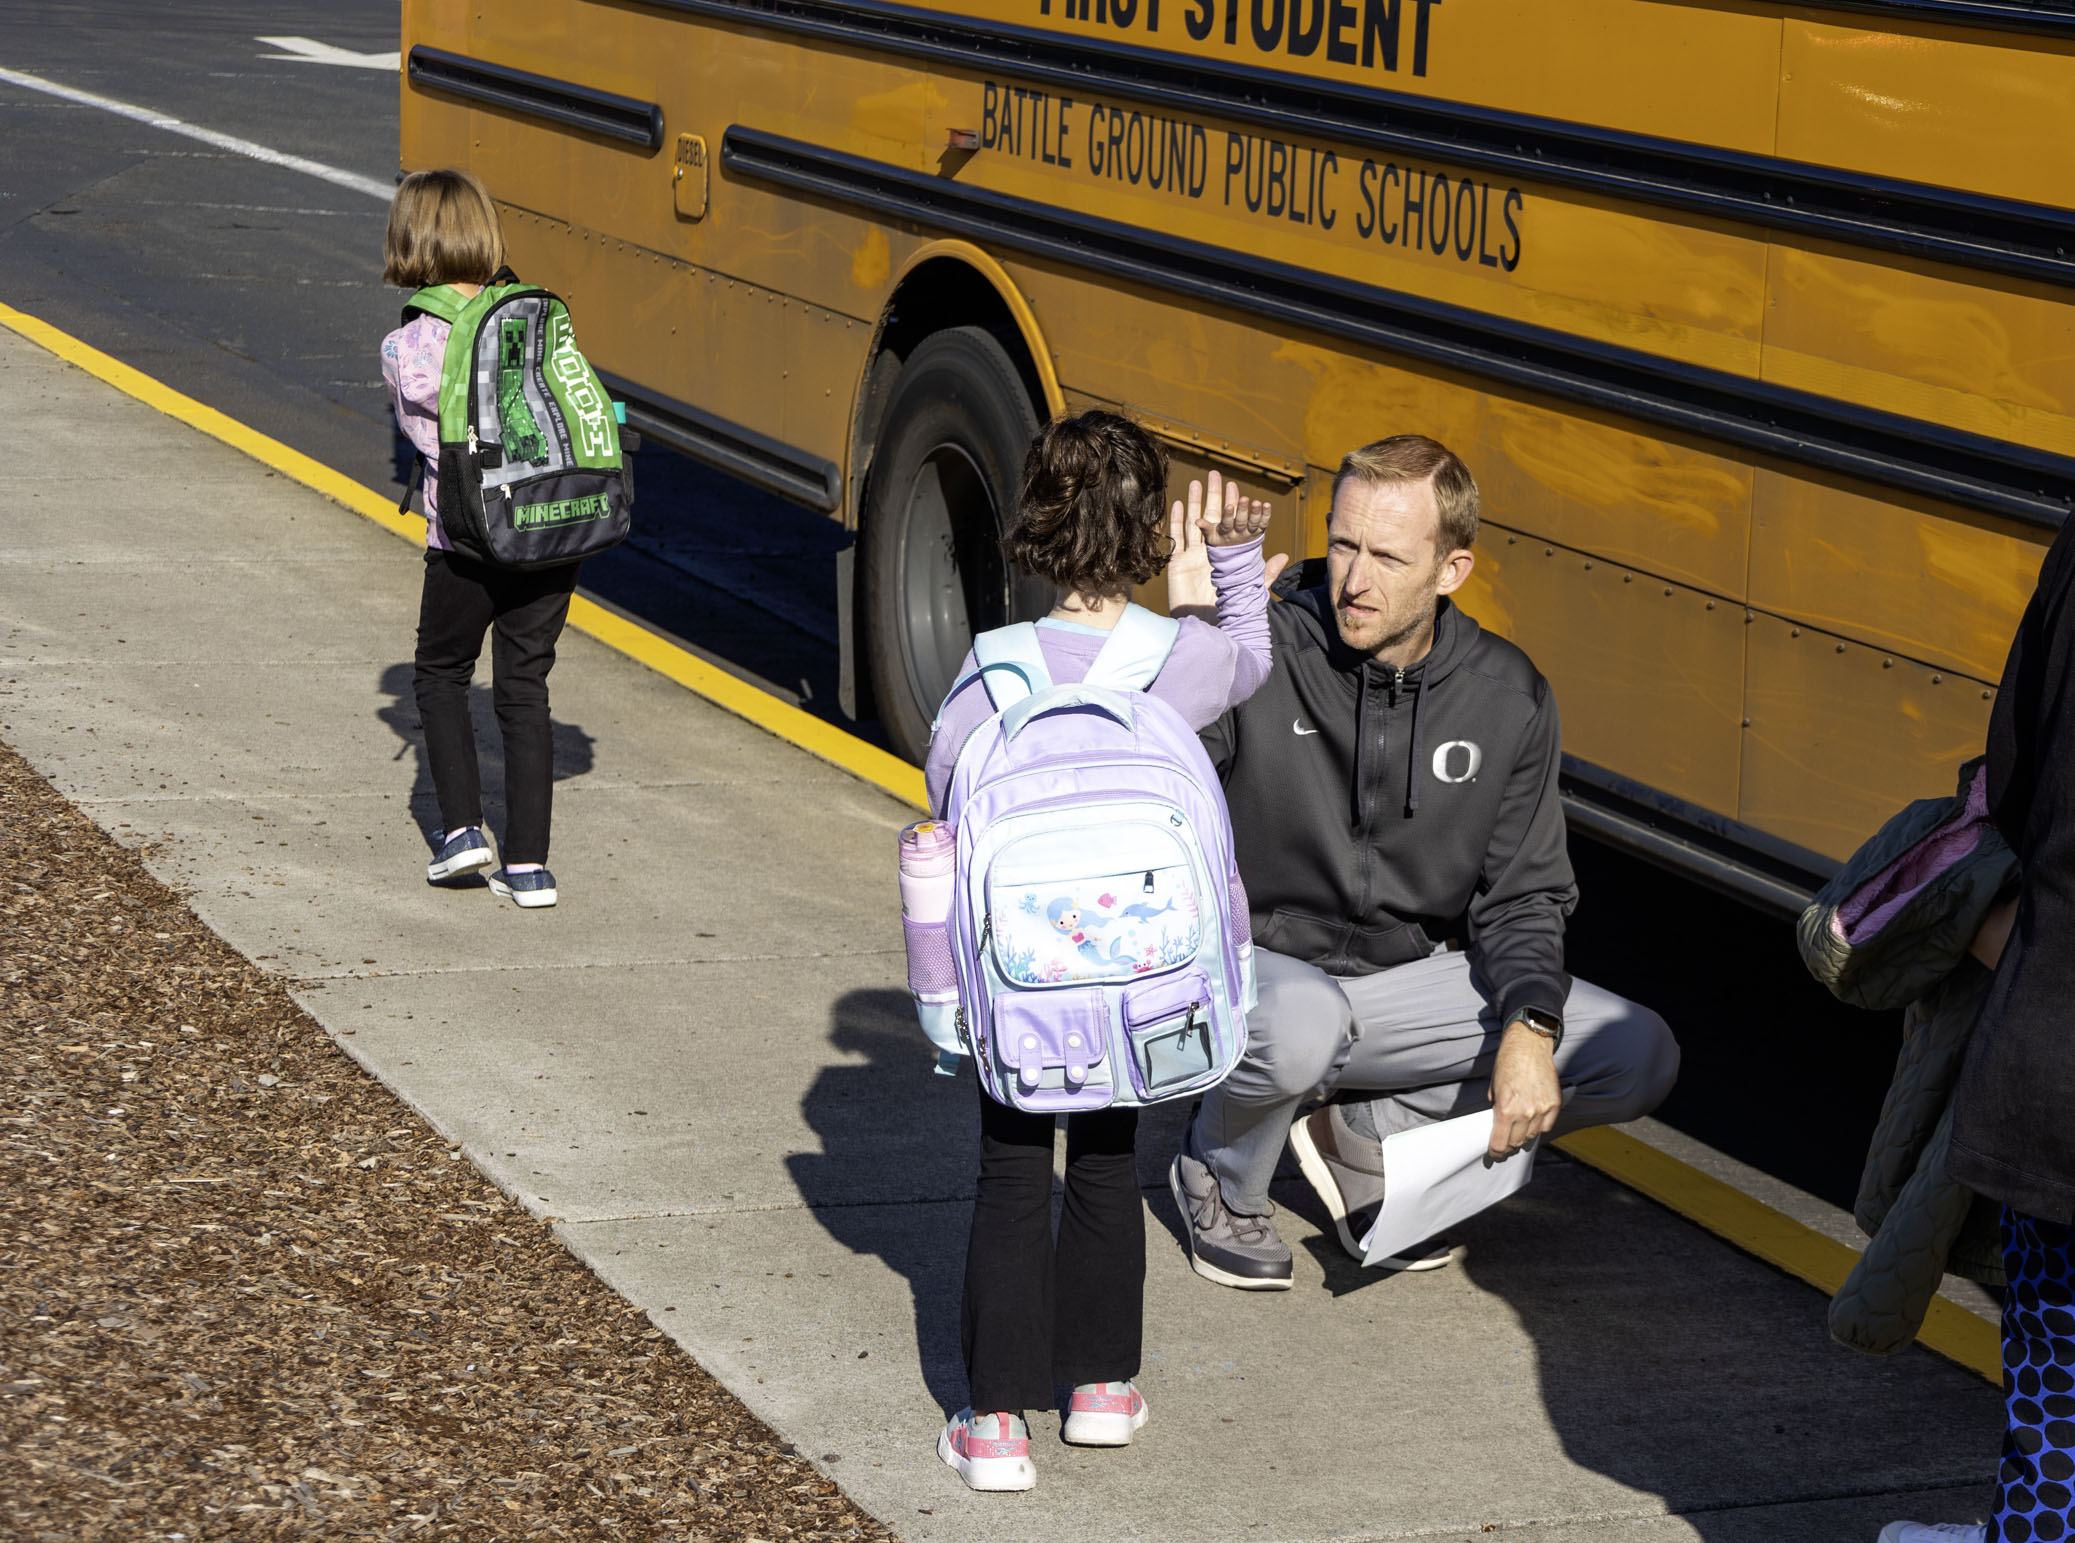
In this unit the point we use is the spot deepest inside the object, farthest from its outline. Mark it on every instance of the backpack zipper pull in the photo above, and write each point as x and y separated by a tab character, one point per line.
986	931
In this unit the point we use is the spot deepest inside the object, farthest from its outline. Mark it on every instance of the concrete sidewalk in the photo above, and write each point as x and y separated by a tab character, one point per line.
704	1064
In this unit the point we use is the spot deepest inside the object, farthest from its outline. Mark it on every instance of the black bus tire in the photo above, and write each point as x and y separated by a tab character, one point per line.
943	480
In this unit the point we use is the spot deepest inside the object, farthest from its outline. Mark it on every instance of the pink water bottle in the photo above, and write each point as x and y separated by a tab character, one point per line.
929	856
929	874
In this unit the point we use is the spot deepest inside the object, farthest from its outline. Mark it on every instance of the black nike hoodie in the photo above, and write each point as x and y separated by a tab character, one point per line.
1378	811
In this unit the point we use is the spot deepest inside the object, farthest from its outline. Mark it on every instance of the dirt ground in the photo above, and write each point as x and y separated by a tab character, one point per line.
245	1293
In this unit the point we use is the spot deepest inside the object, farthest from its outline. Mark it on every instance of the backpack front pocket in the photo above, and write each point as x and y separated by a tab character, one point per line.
1082	904
1167	1024
1052	1047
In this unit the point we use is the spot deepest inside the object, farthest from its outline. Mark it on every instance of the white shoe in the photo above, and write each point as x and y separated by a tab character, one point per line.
1103	1414
1933	1532
989	1451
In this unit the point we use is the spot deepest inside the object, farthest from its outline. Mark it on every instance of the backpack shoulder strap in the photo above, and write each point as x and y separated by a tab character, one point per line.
1012	665
1136	651
438	300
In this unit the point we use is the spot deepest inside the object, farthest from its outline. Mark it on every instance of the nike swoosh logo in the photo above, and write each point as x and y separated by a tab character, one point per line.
1297	725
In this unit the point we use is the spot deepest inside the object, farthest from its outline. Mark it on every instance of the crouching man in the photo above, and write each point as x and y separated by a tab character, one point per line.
1393	789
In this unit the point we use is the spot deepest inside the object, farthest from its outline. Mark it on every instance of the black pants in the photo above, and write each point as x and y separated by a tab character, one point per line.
463	599
1037	1313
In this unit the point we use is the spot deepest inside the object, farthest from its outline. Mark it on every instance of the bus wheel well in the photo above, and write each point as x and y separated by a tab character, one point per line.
938	295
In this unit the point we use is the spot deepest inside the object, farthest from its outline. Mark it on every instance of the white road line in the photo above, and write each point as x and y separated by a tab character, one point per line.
372	186
310	51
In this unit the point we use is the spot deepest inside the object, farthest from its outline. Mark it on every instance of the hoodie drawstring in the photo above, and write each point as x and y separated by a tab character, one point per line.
1356	784
1419	693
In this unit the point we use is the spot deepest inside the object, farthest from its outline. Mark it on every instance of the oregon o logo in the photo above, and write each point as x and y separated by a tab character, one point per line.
1446	760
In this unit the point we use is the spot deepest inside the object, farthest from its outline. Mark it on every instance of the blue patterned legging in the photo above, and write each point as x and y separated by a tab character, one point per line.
2036	1498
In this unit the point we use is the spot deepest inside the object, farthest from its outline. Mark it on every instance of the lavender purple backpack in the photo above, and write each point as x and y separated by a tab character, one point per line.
1097	942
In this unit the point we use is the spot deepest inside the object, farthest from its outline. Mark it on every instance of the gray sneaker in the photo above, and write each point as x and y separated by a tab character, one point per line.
1230	1249
1347	1171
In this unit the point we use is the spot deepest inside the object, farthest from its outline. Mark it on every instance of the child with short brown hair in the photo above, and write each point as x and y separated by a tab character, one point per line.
444	230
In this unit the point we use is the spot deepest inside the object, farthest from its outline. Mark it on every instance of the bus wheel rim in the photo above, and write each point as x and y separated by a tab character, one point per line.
936	590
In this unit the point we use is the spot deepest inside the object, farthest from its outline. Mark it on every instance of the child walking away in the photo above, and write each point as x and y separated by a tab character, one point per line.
1095	957
522	478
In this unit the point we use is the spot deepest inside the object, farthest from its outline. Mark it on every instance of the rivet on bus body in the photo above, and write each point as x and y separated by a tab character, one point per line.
1887	664
1667	591
1711	605
1840	648
1628	578
1747	723
1793	632
1987	695
1937	680
1588	563
1548	551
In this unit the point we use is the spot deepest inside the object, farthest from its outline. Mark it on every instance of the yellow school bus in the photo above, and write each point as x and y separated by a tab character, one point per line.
1752	320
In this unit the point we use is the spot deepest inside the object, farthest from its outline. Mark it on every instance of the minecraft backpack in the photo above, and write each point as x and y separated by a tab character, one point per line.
531	470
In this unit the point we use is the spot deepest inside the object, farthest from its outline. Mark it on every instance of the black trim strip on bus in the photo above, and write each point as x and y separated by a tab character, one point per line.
2014	482
1998	235
776	467
2048	20
1725	854
624	118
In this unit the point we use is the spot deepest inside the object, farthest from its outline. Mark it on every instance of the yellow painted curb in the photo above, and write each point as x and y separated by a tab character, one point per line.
824	740
290	463
789	723
1778	1239
1701	1198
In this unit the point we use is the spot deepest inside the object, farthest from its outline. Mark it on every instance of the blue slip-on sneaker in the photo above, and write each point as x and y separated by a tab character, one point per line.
466	853
531	889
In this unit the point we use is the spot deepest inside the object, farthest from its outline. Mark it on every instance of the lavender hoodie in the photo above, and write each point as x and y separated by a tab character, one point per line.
1211	671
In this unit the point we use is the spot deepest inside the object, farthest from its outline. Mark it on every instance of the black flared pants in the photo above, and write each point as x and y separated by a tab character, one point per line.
1039	1311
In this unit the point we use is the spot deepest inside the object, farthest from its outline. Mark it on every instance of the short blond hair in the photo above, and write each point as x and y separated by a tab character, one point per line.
1416	458
443	229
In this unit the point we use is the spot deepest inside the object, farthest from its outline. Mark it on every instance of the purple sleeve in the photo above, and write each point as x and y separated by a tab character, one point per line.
1240	578
1214	669
964	710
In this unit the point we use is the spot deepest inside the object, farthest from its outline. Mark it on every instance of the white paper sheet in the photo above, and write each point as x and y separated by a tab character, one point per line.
1437	1175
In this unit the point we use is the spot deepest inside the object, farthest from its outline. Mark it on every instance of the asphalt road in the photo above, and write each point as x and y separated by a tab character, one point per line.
257	289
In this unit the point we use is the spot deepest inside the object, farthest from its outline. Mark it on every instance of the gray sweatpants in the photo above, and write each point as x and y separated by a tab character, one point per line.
1422	1035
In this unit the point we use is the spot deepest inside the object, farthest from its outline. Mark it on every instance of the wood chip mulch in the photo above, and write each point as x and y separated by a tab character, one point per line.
246	1293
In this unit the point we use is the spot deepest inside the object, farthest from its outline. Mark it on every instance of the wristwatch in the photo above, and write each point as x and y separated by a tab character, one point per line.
1544	1024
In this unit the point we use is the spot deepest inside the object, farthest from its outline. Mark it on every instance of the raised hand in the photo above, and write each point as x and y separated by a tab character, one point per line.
1226	517
1189	590
1232	519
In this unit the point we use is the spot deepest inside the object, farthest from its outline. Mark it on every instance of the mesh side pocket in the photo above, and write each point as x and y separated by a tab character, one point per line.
1242	924
930	970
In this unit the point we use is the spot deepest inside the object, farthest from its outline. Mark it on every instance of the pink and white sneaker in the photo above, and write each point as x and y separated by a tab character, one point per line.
1103	1414
989	1451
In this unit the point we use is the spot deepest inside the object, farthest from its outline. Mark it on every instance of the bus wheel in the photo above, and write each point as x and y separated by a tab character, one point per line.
944	477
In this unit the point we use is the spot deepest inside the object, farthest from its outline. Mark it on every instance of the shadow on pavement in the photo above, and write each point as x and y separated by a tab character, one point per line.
896	1188
573	752
1686	1371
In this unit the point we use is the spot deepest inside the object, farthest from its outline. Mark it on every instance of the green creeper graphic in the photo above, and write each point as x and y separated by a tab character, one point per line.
523	440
